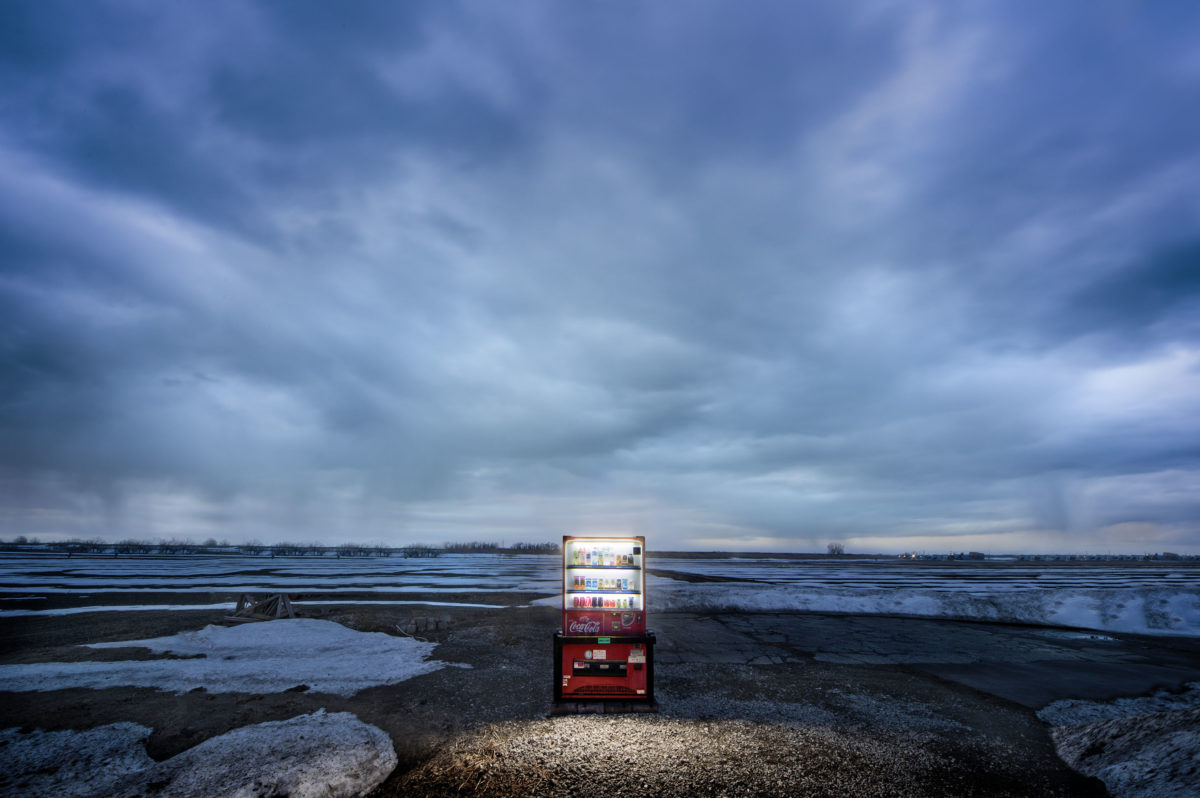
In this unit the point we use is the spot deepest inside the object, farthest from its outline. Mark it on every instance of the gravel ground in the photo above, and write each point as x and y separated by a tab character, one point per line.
620	755
785	729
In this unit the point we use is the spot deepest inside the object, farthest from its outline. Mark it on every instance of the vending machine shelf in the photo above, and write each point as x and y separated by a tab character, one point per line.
604	584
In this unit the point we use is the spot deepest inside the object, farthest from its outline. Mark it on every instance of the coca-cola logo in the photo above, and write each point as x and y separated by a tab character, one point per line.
584	626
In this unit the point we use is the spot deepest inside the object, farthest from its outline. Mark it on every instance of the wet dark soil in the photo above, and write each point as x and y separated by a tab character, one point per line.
769	715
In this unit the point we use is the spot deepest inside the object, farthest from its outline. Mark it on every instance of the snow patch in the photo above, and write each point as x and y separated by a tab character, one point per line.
1073	712
267	657
1142	747
1149	611
327	755
71	764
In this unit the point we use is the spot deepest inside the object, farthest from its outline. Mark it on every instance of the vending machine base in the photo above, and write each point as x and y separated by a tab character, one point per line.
604	674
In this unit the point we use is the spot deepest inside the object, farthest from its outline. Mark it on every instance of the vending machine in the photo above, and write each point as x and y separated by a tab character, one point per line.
603	652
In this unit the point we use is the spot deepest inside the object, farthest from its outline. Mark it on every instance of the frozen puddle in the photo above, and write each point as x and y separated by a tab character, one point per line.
267	657
309	755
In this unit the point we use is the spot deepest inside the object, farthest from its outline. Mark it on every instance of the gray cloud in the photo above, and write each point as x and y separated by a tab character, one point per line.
905	276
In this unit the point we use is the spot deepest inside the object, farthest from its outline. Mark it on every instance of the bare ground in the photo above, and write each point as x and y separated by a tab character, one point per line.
777	719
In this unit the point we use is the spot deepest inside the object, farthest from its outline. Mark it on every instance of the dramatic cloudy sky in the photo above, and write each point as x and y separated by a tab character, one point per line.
730	275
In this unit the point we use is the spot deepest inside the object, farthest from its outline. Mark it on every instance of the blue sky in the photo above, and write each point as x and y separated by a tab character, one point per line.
902	275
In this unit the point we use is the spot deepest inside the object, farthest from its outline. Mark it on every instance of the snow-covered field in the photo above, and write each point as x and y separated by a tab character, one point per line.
255	658
1155	598
449	573
1137	598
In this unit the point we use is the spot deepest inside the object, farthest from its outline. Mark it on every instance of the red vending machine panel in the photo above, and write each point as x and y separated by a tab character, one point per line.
604	668
604	586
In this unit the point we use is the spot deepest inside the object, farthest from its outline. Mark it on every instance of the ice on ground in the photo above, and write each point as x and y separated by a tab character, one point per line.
227	605
1174	611
1073	712
267	657
71	764
1146	747
310	755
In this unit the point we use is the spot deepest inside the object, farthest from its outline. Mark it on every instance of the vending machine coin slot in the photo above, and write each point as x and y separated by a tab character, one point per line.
584	667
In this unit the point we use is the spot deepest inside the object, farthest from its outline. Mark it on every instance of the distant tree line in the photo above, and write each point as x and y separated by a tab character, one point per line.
130	546
485	547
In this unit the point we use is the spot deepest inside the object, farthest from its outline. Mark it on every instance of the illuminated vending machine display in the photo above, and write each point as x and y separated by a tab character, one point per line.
603	652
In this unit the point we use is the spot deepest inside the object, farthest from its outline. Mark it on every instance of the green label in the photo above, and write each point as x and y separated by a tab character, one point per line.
603	640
